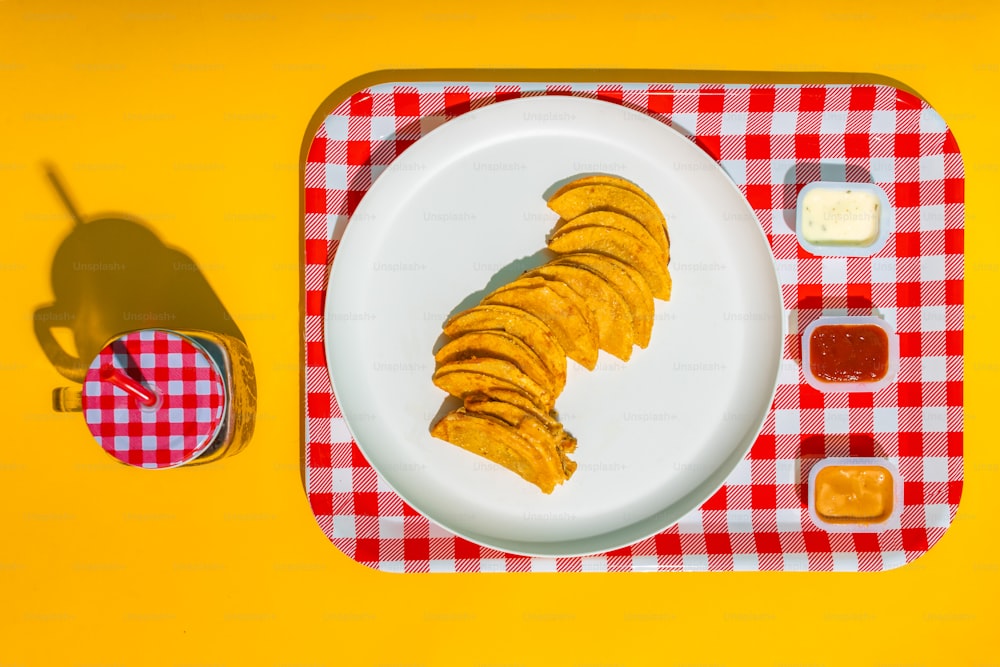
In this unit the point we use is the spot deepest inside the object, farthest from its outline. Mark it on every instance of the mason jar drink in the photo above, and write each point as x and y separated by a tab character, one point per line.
159	398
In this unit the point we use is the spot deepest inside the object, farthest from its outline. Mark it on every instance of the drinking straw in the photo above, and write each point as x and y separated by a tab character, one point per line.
146	397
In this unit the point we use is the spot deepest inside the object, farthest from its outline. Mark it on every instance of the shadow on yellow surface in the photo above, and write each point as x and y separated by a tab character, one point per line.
113	274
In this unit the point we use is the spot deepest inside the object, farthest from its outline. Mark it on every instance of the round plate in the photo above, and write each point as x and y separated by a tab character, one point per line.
463	211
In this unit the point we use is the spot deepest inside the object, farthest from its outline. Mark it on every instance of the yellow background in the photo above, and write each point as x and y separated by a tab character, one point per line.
191	116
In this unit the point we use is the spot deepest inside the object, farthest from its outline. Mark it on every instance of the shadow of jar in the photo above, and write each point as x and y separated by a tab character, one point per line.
111	275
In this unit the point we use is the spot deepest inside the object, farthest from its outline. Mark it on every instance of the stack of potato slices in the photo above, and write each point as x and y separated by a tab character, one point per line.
506	359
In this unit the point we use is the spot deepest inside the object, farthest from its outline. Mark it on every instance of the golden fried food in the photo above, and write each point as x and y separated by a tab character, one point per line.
627	281
614	319
518	323
507	393
617	244
498	402
561	288
614	221
501	443
466	376
545	433
560	308
507	356
501	345
584	199
604	179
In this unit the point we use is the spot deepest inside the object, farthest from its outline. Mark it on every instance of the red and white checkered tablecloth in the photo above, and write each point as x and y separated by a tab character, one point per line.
187	416
771	140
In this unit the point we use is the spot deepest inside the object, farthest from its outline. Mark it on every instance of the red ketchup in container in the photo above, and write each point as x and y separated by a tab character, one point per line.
849	354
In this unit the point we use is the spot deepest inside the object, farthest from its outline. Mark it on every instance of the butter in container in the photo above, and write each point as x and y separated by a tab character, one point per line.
843	219
848	353
855	495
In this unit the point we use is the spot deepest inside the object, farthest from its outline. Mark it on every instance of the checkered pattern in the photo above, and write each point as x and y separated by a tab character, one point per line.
771	140
187	419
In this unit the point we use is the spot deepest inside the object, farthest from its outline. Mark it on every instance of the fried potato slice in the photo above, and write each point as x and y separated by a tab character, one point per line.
466	376
549	437
560	308
619	245
614	319
518	323
496	441
501	345
584	199
615	221
605	179
627	281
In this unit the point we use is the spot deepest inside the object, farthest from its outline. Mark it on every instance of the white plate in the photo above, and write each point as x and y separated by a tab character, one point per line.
463	211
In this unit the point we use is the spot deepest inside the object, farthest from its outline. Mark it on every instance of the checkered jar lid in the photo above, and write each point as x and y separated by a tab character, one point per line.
189	392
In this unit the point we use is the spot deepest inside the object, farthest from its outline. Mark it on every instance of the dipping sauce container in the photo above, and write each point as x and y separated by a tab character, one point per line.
855	494
842	218
849	354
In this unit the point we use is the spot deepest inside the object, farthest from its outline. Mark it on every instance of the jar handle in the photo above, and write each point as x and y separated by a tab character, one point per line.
67	399
65	363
